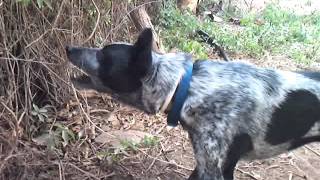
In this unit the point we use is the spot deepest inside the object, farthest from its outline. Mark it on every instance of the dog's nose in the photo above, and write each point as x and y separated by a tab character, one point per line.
68	49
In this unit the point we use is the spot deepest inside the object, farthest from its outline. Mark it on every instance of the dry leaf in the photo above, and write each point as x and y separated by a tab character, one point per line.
114	121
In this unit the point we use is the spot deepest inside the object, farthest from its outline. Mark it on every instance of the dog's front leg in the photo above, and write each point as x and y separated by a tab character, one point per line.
203	175
194	175
208	156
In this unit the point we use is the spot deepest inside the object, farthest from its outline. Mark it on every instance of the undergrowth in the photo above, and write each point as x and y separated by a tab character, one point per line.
274	30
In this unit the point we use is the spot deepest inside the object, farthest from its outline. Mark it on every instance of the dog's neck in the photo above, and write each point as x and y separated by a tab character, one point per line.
163	79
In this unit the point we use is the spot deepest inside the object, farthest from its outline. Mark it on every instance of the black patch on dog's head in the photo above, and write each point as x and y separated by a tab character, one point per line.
122	66
294	117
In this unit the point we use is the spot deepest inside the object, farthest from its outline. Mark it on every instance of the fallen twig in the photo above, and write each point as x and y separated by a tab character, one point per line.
247	173
207	39
83	171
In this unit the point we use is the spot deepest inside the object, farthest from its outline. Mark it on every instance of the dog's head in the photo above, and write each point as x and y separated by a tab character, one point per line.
117	68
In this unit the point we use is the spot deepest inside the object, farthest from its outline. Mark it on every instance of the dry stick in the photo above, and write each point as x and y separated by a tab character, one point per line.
58	15
153	161
99	110
96	25
246	173
16	124
25	60
171	163
60	165
21	117
141	20
10	111
11	155
83	171
86	115
312	150
50	50
60	171
306	167
290	175
57	75
183	174
127	14
40	37
72	22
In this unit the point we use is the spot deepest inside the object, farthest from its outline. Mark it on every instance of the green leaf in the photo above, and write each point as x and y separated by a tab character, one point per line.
45	139
24	2
43	110
71	134
40	3
45	115
35	107
34	113
58	125
41	118
48	3
65	137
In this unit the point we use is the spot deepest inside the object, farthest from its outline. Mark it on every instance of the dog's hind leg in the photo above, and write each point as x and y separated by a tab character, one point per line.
241	145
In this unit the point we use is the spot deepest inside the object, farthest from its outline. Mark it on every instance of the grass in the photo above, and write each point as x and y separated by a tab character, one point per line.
274	30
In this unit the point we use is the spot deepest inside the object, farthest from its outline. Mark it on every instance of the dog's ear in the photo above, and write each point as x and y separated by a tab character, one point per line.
142	53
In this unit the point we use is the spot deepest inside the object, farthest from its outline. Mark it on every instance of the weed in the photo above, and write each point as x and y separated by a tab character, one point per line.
146	142
150	141
40	3
40	113
275	30
129	145
114	156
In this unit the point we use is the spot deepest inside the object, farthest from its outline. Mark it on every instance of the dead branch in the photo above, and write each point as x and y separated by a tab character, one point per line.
142	20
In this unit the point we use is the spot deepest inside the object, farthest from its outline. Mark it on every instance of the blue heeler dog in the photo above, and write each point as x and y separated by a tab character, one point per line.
231	110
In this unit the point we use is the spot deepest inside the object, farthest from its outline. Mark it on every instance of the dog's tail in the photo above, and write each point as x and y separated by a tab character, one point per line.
207	39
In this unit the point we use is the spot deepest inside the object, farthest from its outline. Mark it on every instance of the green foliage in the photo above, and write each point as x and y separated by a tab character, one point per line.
147	142
59	136
129	145
40	3
40	113
114	156
275	30
150	141
177	27
63	134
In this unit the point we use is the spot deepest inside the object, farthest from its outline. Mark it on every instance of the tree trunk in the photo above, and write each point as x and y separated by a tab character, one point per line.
188	4
141	21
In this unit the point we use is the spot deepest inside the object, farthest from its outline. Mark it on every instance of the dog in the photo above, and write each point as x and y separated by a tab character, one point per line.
231	110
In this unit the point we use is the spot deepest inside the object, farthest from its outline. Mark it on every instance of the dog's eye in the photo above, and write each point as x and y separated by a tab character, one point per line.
154	91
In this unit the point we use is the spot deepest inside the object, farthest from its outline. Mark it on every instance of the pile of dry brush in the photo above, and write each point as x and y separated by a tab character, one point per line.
33	67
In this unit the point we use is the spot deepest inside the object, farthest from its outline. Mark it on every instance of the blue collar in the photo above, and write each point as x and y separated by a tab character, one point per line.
180	96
